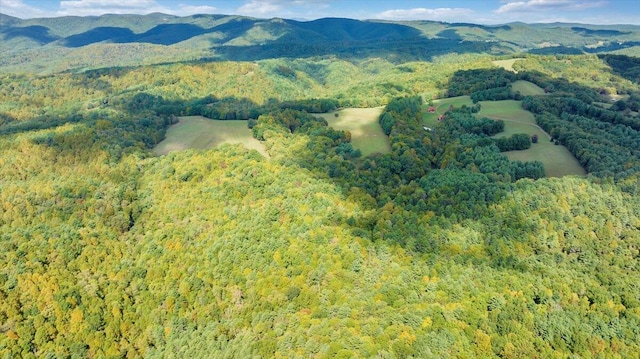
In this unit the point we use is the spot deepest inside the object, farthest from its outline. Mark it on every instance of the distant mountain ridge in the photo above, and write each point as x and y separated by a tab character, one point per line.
68	43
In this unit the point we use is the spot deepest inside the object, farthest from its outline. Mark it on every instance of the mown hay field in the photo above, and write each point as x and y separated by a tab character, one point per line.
197	132
366	133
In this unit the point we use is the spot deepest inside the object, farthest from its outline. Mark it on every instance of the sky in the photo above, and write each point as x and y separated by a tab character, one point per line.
474	11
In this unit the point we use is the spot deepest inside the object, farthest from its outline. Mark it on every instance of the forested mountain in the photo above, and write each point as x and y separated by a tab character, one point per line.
76	43
440	247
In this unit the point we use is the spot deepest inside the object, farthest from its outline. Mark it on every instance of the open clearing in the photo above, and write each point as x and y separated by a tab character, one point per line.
507	110
557	160
527	88
366	133
507	64
441	106
201	133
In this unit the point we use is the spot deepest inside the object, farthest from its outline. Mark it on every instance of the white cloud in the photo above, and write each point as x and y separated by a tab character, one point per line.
548	5
185	10
440	14
284	8
260	8
100	7
19	9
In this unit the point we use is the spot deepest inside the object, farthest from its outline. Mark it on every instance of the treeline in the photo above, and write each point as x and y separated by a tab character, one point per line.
517	142
605	142
589	76
627	66
454	170
561	86
484	85
464	122
469	170
605	150
560	104
482	152
229	108
495	85
138	123
361	84
471	81
245	109
495	94
129	123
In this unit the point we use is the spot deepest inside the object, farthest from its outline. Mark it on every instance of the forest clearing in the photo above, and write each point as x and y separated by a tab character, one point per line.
198	132
440	106
362	123
507	64
527	88
557	159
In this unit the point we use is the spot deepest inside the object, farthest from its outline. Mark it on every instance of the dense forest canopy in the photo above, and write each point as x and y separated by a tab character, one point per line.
441	247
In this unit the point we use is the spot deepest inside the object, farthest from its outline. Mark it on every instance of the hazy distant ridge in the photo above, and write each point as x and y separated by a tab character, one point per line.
28	43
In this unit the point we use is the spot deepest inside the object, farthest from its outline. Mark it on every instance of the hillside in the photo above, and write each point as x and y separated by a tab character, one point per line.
291	224
75	43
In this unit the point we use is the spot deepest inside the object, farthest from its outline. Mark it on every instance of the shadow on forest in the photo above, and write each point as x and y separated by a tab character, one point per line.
348	38
416	49
453	172
247	39
625	66
164	34
40	34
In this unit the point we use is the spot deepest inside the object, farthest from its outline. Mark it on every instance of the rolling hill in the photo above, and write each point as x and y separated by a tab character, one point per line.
55	44
290	222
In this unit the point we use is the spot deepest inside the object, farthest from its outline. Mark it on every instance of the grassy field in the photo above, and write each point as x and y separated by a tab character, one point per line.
557	160
527	88
431	119
366	134
508	110
506	64
199	132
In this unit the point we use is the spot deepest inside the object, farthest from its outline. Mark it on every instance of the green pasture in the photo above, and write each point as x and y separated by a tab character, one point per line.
442	105
557	160
366	133
506	64
507	110
526	88
201	133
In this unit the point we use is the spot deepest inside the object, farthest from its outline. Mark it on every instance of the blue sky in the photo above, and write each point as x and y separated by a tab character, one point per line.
476	11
